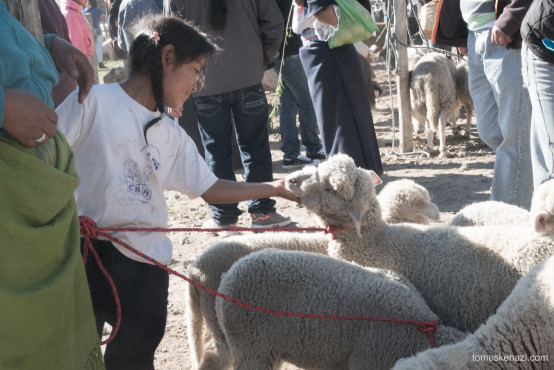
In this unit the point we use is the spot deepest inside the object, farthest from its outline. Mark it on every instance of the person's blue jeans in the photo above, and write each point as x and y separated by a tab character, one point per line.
248	108
296	95
539	77
98	40
503	112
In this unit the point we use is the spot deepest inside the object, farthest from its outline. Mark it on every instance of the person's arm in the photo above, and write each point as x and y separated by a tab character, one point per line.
272	28
327	15
226	191
67	58
509	22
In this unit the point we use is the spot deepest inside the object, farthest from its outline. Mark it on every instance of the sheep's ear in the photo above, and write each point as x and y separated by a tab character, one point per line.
428	209
356	213
343	182
542	222
376	179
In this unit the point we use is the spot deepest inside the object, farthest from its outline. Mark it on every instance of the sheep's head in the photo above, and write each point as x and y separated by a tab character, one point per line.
542	208
406	201
336	191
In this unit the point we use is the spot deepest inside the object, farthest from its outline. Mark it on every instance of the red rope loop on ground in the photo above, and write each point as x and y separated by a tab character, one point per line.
90	229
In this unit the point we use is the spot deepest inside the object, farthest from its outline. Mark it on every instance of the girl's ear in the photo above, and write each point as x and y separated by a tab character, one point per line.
168	56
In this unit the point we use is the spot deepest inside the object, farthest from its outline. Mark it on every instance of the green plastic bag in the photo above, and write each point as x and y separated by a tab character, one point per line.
355	24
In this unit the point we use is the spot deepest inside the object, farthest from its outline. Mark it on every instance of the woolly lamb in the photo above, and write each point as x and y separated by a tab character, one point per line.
433	97
303	282
491	212
522	326
406	201
207	270
464	274
463	97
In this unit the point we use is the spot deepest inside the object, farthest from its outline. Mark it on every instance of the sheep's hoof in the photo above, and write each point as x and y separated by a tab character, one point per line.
445	154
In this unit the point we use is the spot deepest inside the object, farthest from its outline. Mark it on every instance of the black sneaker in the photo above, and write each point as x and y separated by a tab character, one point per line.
102	66
319	156
299	161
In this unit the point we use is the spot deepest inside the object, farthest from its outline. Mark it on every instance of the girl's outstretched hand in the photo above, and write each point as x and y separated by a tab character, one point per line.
283	192
70	60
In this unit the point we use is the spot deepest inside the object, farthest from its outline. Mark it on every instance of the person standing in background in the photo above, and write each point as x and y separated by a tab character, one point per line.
249	33
130	11
98	20
53	22
77	25
337	87
295	96
537	56
488	32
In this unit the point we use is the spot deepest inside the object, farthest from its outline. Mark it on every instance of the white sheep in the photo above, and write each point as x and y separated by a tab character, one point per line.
406	201
433	97
402	202
522	328
463	96
207	270
492	212
464	274
301	282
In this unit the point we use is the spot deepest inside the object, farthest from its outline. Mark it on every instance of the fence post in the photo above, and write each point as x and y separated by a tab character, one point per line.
402	83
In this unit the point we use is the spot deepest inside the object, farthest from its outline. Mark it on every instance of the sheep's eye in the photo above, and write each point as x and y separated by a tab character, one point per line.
328	189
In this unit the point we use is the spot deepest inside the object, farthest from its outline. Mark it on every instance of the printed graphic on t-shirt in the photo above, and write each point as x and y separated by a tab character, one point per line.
137	180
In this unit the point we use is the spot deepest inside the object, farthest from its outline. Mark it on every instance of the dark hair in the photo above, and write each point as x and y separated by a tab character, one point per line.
218	14
93	4
145	55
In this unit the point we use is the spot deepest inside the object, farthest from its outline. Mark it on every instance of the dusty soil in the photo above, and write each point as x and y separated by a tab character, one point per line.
452	182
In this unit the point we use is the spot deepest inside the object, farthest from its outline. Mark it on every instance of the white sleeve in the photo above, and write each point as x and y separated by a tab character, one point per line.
190	174
71	117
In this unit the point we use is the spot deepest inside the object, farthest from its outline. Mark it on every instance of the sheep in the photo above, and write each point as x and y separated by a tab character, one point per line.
463	97
433	97
523	327
464	274
402	202
207	270
406	201
119	73
303	282
491	212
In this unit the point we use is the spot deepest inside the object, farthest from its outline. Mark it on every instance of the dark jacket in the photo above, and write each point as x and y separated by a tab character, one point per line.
537	25
293	41
451	29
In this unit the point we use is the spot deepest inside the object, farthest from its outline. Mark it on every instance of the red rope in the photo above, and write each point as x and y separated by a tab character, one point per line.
89	230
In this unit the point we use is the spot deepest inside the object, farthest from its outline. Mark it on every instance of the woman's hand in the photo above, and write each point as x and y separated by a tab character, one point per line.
499	37
327	15
27	118
70	60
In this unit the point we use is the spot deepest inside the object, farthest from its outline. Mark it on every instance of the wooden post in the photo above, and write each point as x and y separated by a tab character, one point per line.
402	83
28	14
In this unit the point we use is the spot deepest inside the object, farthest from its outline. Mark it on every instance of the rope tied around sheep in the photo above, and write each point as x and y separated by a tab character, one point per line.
90	230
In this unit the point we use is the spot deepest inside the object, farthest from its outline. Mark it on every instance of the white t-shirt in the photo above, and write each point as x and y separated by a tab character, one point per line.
122	177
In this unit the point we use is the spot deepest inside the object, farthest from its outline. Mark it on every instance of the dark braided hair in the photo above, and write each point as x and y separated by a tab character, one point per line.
145	56
218	14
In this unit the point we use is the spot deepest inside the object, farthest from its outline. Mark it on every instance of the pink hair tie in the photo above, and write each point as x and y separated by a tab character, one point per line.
155	38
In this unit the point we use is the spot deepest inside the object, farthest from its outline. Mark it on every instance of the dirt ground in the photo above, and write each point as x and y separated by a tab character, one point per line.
452	182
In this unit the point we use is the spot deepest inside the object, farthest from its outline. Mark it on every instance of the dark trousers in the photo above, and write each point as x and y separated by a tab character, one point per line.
143	291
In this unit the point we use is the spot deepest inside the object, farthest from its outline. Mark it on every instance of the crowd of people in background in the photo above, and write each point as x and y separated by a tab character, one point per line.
212	54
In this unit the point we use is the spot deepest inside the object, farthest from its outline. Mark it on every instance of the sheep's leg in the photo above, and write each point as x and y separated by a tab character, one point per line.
469	112
442	139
